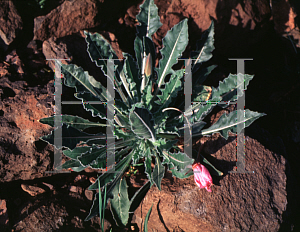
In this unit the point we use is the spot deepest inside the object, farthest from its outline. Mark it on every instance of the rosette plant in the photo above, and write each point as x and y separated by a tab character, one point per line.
149	111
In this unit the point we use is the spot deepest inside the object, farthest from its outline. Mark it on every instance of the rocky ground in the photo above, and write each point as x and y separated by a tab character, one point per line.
32	199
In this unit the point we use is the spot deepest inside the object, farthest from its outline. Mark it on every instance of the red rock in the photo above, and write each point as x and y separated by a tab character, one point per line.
68	18
32	190
239	202
10	23
4	220
283	15
89	194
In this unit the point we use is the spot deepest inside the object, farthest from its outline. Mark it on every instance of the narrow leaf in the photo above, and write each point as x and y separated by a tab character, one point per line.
233	122
79	79
74	121
120	203
100	51
147	163
204	47
158	172
139	50
174	44
148	19
147	218
109	175
76	152
70	137
133	82
232	87
110	187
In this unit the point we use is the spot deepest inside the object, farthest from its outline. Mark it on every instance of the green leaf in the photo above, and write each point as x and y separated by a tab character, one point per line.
94	156
73	164
132	81
174	44
147	96
171	89
109	176
204	47
100	50
210	167
142	123
147	218
229	88
149	48
70	137
203	93
74	121
95	207
115	179
139	196
139	51
233	122
179	163
147	163
165	145
96	109
79	79
201	109
158	172
77	151
120	203
148	19
138	153
97	156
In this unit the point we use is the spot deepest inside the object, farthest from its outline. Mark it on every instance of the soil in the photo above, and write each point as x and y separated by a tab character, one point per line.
32	198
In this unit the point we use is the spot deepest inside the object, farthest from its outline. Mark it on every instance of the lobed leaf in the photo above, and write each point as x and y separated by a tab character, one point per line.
179	163
148	19
96	109
74	121
171	89
132	82
158	173
70	137
232	87
234	122
174	44
73	164
79	79
204	48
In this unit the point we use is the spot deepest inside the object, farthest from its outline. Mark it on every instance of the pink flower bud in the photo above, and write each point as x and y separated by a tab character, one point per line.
202	176
148	66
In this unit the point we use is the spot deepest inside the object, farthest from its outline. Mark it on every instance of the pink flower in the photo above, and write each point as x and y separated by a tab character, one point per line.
202	176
